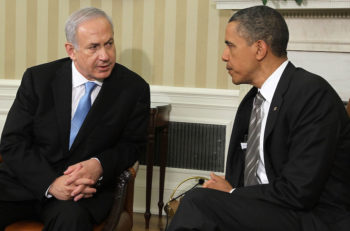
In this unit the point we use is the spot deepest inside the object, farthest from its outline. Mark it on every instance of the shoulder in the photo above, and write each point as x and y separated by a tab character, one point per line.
307	90
302	83
305	78
47	71
51	66
42	75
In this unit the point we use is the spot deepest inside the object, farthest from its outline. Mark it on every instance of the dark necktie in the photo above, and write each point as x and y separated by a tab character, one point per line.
81	112
253	143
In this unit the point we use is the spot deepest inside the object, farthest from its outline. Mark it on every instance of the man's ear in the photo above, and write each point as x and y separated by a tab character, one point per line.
261	50
70	50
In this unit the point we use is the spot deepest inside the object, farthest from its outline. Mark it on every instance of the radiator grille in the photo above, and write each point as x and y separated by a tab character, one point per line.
194	146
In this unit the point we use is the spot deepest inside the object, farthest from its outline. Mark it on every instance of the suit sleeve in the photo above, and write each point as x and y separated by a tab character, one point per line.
132	143
18	148
312	128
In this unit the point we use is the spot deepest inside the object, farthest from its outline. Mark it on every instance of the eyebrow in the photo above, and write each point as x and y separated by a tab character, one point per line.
93	44
110	40
97	44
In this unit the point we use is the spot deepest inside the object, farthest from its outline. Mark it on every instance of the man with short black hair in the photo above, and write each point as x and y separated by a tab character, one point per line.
288	165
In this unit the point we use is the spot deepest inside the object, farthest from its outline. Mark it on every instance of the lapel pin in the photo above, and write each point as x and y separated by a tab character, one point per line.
275	108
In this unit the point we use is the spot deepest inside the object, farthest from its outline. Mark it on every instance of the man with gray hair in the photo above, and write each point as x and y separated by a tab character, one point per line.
76	123
288	164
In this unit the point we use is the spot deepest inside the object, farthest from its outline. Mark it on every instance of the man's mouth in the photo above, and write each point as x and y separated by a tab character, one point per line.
103	67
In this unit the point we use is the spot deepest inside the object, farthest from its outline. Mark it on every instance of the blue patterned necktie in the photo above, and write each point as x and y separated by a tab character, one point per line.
253	144
81	112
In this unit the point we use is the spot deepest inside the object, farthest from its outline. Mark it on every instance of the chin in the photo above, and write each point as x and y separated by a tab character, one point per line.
238	80
103	75
234	81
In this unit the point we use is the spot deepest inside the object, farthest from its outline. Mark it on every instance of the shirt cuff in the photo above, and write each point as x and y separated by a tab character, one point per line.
101	177
47	194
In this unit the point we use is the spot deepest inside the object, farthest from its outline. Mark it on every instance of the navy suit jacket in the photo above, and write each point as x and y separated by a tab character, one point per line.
306	151
35	138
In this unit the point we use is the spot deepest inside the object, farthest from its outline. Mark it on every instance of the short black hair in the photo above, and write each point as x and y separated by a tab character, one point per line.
263	23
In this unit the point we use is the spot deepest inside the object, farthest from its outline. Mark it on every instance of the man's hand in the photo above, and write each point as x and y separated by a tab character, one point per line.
61	191
90	169
78	174
84	188
218	183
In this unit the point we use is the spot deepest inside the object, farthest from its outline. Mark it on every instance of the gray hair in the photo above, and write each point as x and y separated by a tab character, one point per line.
263	23
79	17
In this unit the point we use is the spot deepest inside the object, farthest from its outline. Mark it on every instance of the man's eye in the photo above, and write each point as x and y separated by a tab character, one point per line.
109	44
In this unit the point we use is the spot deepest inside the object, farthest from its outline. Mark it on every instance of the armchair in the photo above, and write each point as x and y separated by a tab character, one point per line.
120	217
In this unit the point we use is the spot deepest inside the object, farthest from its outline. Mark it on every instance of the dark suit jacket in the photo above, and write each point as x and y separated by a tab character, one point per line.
306	151
34	143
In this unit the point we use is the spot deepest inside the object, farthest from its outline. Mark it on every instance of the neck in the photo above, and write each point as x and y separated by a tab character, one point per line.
267	67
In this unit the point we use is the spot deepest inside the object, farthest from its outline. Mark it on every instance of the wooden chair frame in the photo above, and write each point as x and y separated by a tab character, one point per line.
120	217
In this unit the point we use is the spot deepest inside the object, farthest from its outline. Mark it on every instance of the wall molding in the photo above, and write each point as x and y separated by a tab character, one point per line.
288	4
316	13
192	105
318	29
197	105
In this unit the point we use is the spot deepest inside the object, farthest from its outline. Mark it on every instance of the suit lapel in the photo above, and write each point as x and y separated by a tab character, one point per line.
244	111
235	170
277	99
243	116
62	94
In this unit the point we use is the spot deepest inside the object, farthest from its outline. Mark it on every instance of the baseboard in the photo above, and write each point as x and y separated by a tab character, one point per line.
173	177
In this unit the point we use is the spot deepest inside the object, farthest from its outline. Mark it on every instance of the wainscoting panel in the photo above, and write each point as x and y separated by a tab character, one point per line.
8	89
194	111
200	125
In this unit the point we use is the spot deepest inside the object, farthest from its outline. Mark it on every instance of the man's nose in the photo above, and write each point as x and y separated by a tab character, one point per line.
103	54
224	56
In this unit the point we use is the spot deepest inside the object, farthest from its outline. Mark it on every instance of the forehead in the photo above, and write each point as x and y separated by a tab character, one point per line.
231	29
233	34
95	28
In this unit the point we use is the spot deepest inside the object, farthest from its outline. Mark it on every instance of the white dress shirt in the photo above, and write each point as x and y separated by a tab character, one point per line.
267	90
78	88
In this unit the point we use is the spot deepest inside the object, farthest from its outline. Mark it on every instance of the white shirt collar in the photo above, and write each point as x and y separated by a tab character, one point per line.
78	79
269	87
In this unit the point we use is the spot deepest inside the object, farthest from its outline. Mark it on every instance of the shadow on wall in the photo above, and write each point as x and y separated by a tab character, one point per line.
137	61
